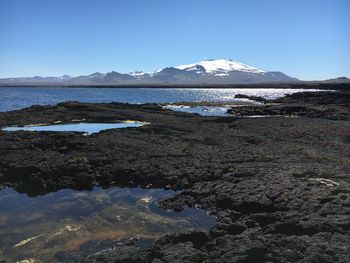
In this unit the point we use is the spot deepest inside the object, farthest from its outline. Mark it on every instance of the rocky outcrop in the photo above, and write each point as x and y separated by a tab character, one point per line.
255	98
330	105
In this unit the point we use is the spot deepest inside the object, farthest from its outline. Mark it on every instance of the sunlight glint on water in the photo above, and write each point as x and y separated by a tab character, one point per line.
12	98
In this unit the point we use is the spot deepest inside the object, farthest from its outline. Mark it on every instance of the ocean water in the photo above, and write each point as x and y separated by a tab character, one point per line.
201	110
14	98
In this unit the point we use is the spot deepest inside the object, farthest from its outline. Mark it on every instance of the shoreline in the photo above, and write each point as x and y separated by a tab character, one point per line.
267	181
300	85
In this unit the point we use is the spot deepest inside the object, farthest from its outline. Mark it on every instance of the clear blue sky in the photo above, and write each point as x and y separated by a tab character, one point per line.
308	39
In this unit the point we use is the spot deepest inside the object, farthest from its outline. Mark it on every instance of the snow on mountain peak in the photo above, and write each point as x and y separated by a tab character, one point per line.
65	77
220	67
137	73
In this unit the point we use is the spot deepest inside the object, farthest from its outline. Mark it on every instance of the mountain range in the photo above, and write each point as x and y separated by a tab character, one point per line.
211	71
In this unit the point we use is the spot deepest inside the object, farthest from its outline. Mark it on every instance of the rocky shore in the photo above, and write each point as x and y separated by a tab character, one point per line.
279	186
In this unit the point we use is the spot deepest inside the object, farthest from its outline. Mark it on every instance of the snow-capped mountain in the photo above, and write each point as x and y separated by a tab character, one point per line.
219	71
210	71
137	73
219	67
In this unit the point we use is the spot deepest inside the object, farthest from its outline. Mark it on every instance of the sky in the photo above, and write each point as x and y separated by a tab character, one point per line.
307	39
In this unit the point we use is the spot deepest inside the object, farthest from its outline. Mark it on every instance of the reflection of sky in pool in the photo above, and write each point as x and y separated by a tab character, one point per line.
40	227
78	127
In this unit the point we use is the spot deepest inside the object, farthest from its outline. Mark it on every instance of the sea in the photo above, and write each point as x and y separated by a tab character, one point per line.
15	98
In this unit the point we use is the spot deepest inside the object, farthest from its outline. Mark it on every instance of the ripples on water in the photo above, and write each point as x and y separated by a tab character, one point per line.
201	110
12	98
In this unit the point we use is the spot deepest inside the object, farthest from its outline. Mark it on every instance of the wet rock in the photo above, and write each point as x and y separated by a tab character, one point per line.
121	251
255	98
198	239
181	252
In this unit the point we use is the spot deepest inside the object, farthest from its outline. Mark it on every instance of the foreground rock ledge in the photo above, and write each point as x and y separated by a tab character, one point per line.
279	186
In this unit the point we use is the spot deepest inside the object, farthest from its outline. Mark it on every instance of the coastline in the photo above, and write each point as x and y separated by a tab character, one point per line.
264	179
298	85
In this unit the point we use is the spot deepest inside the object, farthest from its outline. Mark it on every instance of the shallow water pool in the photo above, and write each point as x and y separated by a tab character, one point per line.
201	110
87	128
38	228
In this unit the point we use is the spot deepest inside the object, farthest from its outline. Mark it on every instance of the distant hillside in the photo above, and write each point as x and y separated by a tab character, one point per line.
219	71
338	80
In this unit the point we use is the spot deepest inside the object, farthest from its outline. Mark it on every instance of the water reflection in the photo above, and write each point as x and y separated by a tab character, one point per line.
12	98
37	228
201	110
87	128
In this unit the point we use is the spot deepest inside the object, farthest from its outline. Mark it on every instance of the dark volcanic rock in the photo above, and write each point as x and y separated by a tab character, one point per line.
330	105
256	98
278	186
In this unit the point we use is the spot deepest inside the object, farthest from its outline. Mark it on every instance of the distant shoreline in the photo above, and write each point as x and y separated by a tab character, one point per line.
308	85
